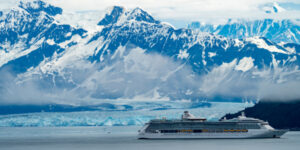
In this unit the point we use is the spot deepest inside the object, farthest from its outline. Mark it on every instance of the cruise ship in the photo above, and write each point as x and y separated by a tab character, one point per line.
190	127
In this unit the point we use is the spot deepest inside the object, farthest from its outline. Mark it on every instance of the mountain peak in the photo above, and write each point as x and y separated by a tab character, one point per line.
36	6
277	8
112	15
115	13
139	14
273	8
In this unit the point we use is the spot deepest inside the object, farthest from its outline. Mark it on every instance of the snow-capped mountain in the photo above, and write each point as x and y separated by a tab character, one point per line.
199	49
132	56
274	30
29	34
273	8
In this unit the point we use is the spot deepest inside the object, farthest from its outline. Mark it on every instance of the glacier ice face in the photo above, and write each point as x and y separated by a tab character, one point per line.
114	118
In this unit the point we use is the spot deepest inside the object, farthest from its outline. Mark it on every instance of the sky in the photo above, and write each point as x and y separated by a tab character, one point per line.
181	12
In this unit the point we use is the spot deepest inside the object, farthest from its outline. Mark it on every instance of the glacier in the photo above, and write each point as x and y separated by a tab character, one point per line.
115	118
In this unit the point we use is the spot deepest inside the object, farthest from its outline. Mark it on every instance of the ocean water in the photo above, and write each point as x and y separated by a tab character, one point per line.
124	138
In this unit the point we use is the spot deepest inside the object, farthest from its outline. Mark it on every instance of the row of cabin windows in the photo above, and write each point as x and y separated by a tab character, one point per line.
198	131
240	126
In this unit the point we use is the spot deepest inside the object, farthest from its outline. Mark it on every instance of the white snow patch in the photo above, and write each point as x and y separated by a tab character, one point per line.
245	64
273	8
237	42
168	24
203	58
291	50
262	44
293	59
281	43
68	34
25	36
119	51
211	54
174	37
16	51
50	42
183	54
279	8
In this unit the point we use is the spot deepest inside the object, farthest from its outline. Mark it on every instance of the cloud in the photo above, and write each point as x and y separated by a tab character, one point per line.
279	92
189	10
131	74
277	84
4	4
181	12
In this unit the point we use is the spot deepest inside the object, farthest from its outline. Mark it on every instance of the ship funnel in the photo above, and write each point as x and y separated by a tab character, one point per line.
187	115
243	114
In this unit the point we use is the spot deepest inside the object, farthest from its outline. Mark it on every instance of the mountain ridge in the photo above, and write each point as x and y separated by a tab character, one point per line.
280	114
275	30
134	56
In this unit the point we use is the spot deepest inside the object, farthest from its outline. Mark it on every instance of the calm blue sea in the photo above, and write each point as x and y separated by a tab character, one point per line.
124	138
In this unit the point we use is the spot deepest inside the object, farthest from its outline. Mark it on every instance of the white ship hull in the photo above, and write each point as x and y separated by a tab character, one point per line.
249	134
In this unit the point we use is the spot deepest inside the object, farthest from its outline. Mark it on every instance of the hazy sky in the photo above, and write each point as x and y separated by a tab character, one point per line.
192	10
183	11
